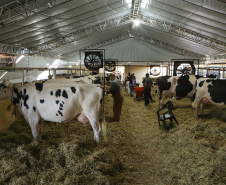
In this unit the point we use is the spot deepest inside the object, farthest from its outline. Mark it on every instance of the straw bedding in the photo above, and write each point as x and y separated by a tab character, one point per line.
137	151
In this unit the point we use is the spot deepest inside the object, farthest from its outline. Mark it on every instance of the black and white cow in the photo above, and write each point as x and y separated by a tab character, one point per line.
56	103
175	86
210	91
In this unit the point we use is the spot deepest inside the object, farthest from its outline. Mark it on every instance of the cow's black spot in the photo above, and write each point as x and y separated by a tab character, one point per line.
60	113
198	76
2	86
163	84
39	86
209	80
61	105
184	86
51	93
217	91
26	97
73	90
56	114
34	108
16	101
100	101
201	83
19	95
58	93
64	94
97	80
57	101
63	102
15	90
42	101
61	108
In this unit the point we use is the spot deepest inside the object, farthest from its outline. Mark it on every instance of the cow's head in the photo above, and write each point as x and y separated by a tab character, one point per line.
97	80
5	89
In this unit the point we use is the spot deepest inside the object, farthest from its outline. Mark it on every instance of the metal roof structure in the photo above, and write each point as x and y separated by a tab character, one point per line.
60	28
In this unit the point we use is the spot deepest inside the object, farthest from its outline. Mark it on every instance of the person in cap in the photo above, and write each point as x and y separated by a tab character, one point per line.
117	95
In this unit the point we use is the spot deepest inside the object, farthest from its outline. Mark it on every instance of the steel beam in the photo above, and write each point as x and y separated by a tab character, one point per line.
184	33
165	45
135	8
84	33
168	46
18	50
25	9
97	45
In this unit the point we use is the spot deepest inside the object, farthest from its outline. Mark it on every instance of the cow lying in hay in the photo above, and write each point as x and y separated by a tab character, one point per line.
56	103
209	91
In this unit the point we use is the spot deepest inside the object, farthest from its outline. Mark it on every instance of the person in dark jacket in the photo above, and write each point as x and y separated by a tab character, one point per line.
147	89
132	83
116	92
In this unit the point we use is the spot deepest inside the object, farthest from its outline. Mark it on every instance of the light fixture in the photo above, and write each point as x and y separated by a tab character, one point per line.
128	2
144	3
3	75
19	59
136	22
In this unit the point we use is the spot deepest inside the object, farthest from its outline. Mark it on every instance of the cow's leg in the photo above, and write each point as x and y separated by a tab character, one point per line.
161	103
96	129
201	108
35	124
197	105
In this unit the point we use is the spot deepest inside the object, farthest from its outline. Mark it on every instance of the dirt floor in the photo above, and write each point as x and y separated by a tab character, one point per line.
137	151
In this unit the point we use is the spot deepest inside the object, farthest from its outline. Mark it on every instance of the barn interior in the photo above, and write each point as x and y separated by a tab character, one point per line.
39	39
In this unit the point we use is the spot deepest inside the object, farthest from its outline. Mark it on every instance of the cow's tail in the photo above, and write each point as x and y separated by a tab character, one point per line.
104	127
103	124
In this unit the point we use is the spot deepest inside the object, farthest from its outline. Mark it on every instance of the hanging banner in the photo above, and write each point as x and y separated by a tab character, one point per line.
7	60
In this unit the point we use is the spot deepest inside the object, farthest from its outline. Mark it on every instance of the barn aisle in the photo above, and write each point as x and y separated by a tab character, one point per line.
193	153
137	152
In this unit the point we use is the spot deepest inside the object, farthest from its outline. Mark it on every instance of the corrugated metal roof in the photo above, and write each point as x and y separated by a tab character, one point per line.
65	26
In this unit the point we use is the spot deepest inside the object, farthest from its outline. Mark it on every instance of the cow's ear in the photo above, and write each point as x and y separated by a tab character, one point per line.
6	82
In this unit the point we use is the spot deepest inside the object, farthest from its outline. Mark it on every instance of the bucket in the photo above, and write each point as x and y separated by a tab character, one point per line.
139	91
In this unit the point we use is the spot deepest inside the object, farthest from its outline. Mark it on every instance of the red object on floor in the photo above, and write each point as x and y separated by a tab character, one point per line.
139	91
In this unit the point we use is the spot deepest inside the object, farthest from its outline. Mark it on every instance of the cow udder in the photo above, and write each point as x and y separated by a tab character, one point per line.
82	118
204	100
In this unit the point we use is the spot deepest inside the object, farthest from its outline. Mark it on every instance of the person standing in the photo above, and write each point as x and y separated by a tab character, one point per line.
117	95
132	83
147	89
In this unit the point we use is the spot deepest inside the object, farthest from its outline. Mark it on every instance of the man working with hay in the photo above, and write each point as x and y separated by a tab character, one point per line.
115	90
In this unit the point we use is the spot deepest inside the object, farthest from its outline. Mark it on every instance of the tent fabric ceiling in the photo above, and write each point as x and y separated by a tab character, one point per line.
65	26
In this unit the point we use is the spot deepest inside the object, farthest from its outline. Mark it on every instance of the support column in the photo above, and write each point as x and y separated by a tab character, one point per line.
28	79
54	73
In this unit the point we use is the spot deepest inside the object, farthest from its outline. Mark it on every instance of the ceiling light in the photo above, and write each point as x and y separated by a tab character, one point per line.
136	22
19	59
128	2
144	3
3	74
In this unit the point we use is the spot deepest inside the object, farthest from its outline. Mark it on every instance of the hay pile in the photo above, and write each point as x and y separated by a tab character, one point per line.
137	152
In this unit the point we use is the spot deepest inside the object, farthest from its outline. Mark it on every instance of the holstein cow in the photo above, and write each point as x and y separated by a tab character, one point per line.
56	103
210	91
175	86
